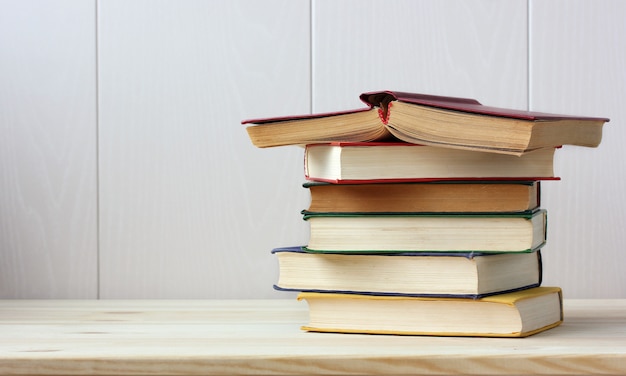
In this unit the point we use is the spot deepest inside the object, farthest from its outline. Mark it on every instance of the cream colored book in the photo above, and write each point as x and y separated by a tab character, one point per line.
453	274
344	163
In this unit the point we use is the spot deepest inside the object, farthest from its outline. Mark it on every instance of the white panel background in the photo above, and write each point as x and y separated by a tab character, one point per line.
188	208
475	49
125	172
578	61
48	190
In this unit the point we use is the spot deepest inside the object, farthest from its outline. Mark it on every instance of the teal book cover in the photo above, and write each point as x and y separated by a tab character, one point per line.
427	232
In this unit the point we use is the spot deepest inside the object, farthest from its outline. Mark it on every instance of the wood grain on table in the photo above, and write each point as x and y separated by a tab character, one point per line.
211	337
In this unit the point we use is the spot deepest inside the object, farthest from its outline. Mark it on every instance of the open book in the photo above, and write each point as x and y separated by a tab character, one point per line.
431	120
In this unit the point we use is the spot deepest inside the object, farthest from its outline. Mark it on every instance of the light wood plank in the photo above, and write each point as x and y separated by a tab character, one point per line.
233	337
48	176
188	207
577	54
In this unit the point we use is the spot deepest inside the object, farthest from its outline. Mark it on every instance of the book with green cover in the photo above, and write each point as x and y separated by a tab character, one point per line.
516	314
426	232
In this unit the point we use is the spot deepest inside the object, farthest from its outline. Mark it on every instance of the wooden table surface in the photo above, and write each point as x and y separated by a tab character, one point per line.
230	337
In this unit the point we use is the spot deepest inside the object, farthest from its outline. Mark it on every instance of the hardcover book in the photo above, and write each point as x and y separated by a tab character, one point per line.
470	275
431	120
350	163
426	232
516	314
442	196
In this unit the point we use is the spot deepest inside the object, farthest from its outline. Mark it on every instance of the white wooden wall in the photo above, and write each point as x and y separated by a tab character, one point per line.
125	172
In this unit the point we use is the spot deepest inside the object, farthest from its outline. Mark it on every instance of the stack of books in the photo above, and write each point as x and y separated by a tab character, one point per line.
425	215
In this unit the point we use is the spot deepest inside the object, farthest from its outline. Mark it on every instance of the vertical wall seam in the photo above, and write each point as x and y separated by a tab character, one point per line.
311	55
97	151
528	55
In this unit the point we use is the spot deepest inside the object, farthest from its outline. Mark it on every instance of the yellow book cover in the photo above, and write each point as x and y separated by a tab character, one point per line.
516	314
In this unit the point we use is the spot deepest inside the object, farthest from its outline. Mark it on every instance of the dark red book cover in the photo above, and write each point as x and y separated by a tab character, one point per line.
381	100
